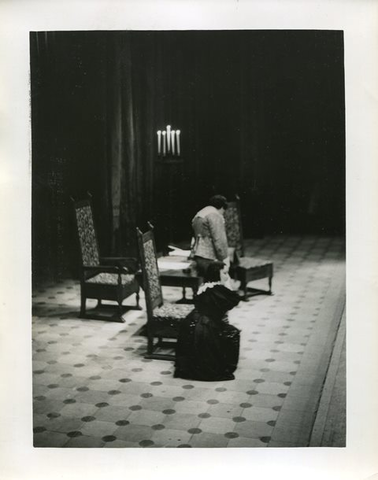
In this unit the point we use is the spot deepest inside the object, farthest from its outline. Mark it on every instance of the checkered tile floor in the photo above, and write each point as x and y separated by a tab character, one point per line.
92	386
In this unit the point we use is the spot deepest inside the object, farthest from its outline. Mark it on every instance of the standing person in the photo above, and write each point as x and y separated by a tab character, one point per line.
208	345
210	236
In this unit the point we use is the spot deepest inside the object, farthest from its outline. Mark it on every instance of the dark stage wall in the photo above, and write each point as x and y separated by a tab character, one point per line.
261	114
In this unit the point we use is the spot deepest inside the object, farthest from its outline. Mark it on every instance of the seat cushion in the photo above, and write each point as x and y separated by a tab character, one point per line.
172	311
110	279
250	262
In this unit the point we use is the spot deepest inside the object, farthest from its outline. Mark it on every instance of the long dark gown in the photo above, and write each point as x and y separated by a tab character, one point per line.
208	345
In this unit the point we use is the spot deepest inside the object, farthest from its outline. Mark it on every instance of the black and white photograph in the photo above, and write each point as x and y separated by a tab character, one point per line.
188	239
188	253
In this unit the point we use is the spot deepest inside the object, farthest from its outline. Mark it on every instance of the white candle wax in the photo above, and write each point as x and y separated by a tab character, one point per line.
168	138
173	141
164	133
159	141
178	141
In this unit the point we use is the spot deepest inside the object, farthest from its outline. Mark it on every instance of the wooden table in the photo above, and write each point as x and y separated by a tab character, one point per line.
175	271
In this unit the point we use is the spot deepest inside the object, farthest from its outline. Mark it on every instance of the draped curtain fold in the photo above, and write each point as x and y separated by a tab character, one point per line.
260	113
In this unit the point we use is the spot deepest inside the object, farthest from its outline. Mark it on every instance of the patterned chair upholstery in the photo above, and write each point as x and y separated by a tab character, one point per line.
111	279
162	318
245	269
234	228
102	278
172	312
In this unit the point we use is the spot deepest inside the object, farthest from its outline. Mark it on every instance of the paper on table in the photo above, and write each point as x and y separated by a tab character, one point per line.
178	252
166	265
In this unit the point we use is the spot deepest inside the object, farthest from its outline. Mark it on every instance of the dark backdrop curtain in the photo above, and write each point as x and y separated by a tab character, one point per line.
261	114
69	145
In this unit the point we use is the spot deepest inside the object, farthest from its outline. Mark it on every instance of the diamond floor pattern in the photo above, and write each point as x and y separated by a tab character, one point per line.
92	387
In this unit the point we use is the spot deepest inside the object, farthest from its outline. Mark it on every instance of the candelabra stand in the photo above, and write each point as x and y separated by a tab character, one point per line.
170	159
170	171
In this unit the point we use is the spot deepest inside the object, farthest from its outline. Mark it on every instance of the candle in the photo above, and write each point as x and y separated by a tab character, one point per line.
159	141
173	141
164	133
168	138
178	141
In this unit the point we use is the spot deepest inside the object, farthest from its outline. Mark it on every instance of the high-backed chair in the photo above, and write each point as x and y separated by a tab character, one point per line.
162	317
102	278
245	269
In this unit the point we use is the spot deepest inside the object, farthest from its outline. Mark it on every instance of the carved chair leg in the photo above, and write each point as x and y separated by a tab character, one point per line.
243	287
270	285
150	345
137	299
120	311
99	302
82	304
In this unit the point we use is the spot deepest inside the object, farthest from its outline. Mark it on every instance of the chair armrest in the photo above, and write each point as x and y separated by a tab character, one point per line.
129	263
92	270
104	269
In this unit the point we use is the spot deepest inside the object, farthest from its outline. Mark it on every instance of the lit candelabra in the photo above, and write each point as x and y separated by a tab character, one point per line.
168	142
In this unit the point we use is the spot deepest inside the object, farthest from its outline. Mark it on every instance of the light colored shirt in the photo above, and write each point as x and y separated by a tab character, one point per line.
210	234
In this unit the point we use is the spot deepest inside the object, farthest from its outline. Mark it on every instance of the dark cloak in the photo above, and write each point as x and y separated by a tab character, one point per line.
208	345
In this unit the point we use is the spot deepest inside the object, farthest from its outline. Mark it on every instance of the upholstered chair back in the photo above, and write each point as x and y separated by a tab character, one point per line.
87	234
234	230
151	279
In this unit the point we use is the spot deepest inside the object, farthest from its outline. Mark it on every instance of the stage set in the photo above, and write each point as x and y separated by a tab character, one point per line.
132	133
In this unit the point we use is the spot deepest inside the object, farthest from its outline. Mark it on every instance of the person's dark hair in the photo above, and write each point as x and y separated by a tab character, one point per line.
218	201
212	273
